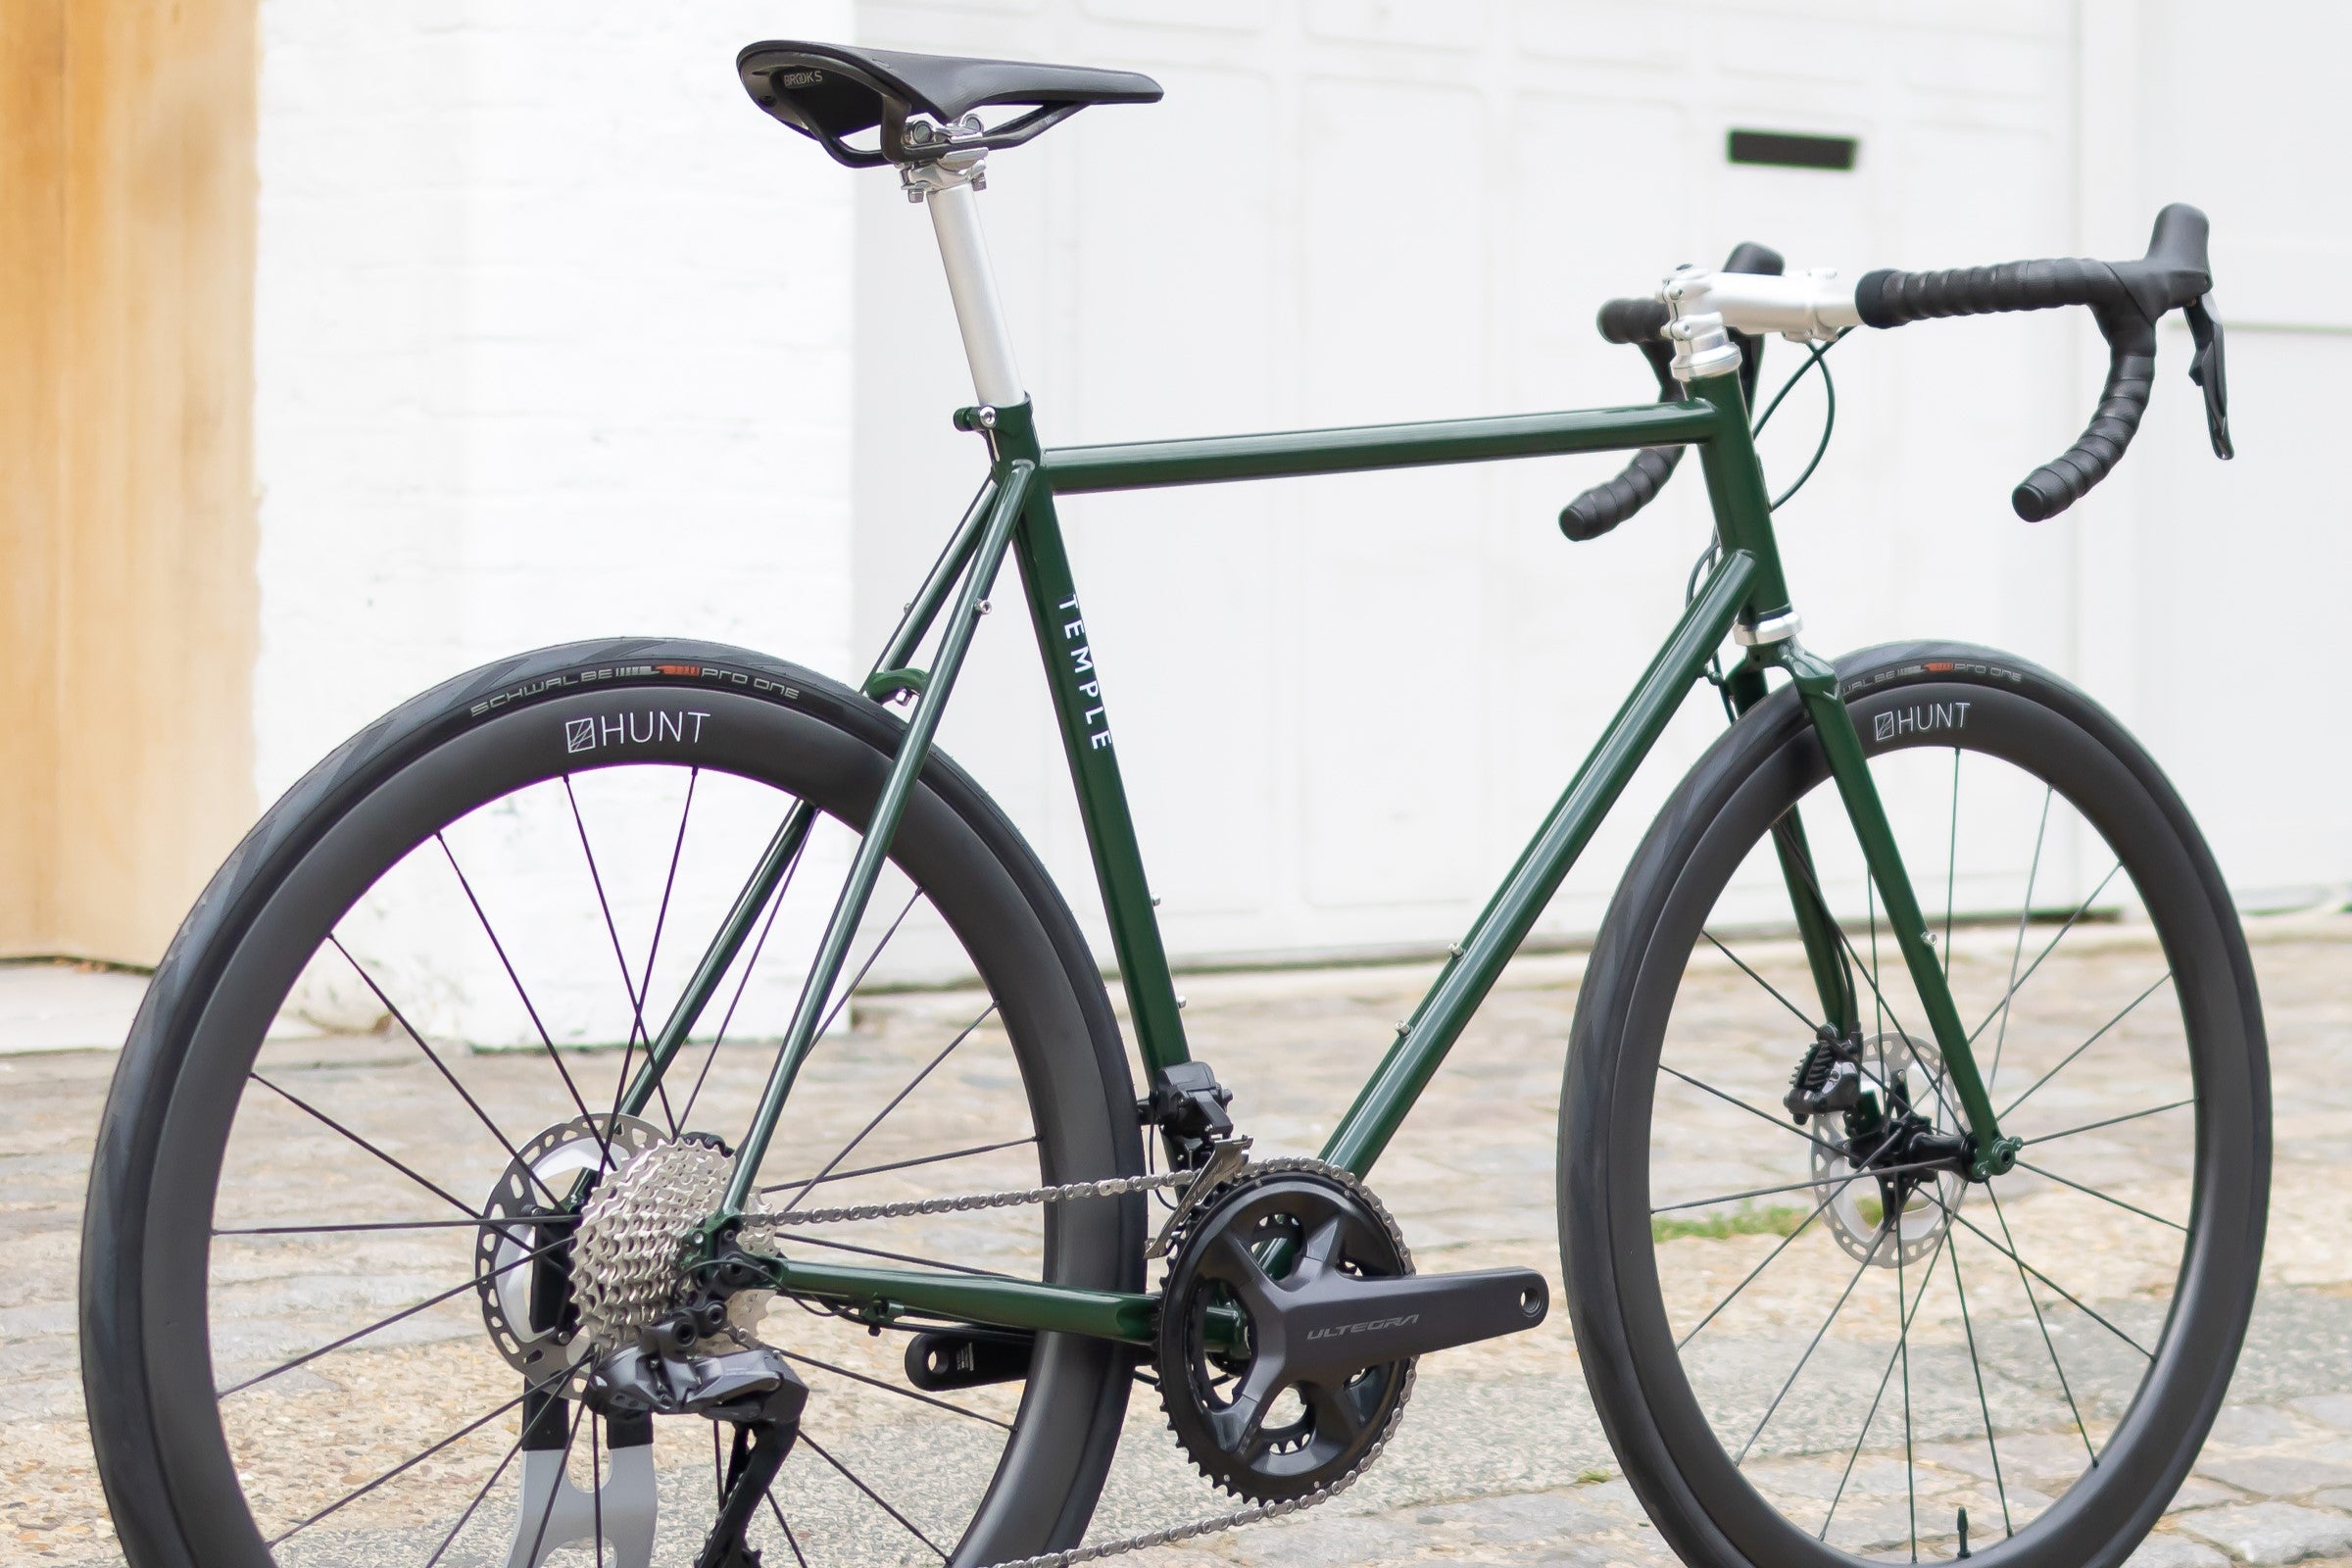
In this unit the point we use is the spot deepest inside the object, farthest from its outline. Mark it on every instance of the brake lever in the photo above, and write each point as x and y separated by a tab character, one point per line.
2206	370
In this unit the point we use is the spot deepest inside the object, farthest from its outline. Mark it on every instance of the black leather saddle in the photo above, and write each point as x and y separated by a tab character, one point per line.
831	93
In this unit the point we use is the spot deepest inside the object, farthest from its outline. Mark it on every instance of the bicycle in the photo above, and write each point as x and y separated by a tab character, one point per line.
978	1317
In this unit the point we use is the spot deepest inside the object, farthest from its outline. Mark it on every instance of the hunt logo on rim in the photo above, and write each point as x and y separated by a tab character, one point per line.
677	724
1920	718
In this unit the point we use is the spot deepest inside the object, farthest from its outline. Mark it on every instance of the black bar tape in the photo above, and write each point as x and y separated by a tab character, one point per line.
2127	299
1632	321
1887	298
2055	486
1611	502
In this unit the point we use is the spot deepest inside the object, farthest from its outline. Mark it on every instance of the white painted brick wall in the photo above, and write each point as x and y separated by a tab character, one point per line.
553	341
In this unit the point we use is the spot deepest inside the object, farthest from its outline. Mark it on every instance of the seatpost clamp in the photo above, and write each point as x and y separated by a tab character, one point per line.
956	165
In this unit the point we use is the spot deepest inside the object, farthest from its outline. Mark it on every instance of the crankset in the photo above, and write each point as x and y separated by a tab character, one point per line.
1291	1322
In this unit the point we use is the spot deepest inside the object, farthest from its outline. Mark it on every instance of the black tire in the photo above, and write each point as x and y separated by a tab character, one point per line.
148	1350
1676	1411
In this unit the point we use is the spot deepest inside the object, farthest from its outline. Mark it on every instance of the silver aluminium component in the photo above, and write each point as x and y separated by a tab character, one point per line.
510	1241
946	184
625	1269
624	1273
1853	1208
1116	1186
1702	347
1811	307
1771	629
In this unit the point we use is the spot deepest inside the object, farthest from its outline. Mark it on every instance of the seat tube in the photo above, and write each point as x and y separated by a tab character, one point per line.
952	194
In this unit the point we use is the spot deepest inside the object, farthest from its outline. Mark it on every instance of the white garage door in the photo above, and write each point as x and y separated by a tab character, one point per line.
1343	704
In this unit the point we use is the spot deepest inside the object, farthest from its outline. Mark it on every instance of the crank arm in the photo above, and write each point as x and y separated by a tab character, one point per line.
1339	1324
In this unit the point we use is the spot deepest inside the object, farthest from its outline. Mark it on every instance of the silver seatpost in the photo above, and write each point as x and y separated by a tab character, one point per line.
949	187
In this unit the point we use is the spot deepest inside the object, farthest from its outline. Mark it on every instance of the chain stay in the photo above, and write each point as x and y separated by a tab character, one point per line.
1120	1187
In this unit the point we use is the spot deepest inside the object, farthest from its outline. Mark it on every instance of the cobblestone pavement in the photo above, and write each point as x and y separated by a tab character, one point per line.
1501	1459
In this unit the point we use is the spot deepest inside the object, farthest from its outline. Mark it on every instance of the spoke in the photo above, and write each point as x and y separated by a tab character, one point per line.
1902	1342
401	1468
384	1323
440	1066
2047	1343
1718	1307
1886	1010
894	1101
2094	1126
475	1224
506	963
775	908
628	986
1877	1243
304	1105
904	1258
1870	902
852	1477
2017	953
2103	1196
892	1387
514	1449
2088	1044
1766	1264
2071	1299
1793	1008
1985	1405
902	1164
780	1524
1797	1187
2017	985
652	948
1951	865
1902	1347
1752	1110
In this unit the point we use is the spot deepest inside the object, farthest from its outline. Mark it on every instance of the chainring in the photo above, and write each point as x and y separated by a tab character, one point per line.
1273	1439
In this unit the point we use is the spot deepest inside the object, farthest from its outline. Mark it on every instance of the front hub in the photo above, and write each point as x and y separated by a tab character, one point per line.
1893	1168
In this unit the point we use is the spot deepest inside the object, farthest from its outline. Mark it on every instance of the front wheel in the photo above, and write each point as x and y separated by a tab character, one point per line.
1805	1353
413	1002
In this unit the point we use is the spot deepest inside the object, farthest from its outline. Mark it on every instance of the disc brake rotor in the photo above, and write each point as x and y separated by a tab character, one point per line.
523	1252
1856	1210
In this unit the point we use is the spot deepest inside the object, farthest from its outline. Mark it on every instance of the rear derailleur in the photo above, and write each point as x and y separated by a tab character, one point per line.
690	1363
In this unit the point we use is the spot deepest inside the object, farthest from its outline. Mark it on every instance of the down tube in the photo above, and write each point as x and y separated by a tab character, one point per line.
1438	1022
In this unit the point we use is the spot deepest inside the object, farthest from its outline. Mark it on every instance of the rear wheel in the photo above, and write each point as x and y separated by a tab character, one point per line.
416	992
1801	1360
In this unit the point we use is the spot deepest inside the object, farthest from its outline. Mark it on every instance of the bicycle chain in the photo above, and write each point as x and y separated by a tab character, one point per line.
1119	1187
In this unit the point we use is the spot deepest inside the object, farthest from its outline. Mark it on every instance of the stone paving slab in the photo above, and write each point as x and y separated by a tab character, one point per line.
1501	1460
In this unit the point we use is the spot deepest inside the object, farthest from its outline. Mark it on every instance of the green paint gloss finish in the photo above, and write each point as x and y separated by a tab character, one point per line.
1014	515
782	849
884	1294
866	868
1817	685
1356	449
1089	747
1437	1023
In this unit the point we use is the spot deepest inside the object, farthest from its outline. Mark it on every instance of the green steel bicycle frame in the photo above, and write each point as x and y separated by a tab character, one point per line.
1014	515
